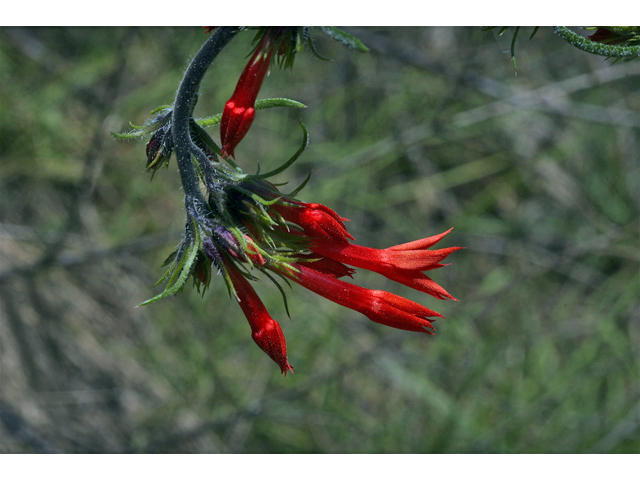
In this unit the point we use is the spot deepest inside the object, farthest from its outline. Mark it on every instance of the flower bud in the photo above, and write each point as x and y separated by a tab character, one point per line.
239	111
160	147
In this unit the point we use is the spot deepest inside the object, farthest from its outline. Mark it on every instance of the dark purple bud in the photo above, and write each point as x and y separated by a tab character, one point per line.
160	147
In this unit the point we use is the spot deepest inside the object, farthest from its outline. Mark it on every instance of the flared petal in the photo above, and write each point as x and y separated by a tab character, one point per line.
318	221
421	244
382	261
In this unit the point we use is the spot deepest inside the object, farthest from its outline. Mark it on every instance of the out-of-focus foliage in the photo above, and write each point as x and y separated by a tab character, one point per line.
430	129
618	43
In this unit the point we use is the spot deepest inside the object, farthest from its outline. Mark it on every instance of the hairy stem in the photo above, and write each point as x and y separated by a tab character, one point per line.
183	107
594	47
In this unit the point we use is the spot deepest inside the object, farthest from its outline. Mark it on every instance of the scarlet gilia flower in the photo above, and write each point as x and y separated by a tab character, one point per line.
330	247
224	248
320	231
265	331
379	306
318	221
255	227
401	263
239	111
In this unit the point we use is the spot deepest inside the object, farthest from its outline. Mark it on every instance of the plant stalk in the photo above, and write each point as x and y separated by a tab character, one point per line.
596	48
183	109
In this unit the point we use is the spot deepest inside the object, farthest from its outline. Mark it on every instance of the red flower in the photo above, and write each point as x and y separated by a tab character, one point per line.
311	246
329	242
379	306
401	263
239	111
318	221
265	331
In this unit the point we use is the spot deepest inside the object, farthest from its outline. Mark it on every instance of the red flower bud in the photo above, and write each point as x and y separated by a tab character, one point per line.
239	112
318	221
602	35
265	331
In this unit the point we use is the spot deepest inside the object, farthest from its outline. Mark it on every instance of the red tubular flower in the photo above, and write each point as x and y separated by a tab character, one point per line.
265	331
318	221
239	111
401	263
321	253
379	306
332	252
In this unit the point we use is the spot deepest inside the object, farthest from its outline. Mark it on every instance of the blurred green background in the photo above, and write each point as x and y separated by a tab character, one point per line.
538	173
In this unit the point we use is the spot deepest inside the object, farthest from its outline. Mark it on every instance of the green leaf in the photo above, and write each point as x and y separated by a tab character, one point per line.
288	163
209	121
138	132
180	273
345	38
513	50
313	50
282	292
160	108
148	128
301	186
278	102
170	258
535	30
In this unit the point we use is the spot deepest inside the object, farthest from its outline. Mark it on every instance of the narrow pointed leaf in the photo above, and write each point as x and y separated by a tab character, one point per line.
288	163
345	38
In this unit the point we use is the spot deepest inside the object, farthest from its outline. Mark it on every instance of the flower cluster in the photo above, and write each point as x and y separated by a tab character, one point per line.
245	224
308	243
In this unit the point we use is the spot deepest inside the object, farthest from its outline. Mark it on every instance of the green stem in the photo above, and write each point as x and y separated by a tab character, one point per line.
183	107
594	47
